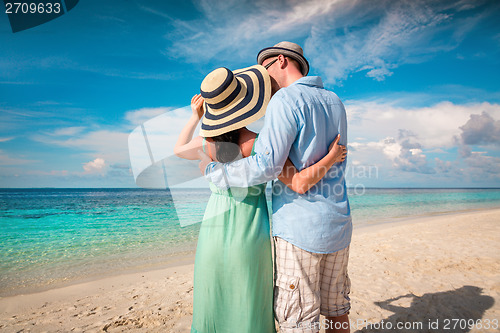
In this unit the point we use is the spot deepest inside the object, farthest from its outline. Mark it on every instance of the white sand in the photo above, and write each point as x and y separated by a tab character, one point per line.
436	268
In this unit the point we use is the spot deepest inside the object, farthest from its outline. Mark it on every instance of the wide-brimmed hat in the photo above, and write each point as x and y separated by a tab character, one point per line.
234	99
288	49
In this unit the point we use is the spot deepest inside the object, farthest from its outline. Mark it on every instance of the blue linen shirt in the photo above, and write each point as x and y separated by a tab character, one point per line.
301	122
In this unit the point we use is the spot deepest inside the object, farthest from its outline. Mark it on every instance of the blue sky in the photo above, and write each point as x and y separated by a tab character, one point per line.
419	80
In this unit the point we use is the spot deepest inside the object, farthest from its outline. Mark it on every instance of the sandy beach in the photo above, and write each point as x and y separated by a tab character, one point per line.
436	272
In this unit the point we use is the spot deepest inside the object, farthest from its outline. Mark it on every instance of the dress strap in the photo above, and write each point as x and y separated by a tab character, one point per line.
253	146
206	148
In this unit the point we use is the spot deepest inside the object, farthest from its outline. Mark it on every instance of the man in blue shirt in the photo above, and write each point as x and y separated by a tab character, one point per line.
312	231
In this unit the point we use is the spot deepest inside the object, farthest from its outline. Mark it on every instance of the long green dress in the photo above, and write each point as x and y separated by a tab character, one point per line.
233	277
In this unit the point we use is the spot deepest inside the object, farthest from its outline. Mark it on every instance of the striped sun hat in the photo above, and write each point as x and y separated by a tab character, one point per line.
288	49
234	99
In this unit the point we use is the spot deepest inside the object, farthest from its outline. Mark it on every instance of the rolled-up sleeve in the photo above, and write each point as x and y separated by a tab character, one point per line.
280	130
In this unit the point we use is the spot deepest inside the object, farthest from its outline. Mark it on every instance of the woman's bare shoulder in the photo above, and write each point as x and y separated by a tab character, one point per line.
247	139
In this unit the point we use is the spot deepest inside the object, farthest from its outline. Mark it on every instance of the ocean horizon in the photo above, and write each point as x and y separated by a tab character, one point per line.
56	236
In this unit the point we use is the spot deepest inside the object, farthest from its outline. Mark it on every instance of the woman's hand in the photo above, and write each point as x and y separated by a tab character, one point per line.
337	152
197	106
302	181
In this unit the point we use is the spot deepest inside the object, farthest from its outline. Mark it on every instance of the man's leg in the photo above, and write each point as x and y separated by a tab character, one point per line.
297	290
335	288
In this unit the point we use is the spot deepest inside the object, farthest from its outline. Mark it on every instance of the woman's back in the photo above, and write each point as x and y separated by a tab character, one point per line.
245	144
233	270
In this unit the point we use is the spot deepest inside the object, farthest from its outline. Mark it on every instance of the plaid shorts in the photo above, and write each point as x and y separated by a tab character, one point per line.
307	284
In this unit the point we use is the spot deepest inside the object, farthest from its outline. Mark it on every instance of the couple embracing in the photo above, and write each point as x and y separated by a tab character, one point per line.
301	148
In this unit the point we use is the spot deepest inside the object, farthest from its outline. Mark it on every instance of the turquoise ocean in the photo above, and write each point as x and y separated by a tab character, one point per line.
54	237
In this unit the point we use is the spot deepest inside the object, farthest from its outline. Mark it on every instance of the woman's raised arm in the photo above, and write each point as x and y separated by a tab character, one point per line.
187	147
302	181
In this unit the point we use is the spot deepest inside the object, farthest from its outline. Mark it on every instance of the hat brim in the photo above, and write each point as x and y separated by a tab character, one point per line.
248	109
274	51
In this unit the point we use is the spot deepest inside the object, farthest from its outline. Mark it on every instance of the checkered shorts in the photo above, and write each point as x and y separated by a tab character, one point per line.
307	284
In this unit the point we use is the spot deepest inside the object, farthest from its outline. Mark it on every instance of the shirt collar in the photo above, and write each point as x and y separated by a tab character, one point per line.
314	81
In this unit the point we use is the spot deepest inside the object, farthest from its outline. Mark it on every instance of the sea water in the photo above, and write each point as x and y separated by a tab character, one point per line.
51	237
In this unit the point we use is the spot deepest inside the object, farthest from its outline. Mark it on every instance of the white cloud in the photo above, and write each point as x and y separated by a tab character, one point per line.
108	147
6	139
407	32
399	140
484	164
342	36
238	29
95	166
402	155
435	126
300	13
379	74
481	129
111	144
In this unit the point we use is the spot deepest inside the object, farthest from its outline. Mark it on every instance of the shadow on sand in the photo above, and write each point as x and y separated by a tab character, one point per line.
448	311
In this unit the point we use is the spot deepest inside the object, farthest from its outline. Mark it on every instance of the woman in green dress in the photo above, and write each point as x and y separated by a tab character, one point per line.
233	275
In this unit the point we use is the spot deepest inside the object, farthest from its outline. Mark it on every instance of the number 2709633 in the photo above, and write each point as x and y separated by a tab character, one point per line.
32	8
